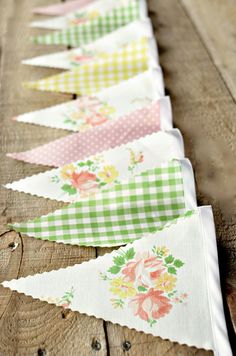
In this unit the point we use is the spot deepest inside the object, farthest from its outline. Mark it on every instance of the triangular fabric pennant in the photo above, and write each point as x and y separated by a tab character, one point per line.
110	43
86	13
61	8
92	77
114	133
121	214
87	112
90	31
103	170
165	284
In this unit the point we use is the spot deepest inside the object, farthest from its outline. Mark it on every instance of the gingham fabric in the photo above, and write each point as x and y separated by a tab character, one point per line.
93	77
118	215
92	30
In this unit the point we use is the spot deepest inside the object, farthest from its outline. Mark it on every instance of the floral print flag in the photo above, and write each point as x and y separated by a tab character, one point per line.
61	8
88	112
110	43
144	121
90	31
80	16
121	214
112	69
83	179
165	284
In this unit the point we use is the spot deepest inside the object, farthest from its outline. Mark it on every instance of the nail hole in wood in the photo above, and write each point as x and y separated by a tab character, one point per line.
96	345
13	245
64	314
42	352
126	346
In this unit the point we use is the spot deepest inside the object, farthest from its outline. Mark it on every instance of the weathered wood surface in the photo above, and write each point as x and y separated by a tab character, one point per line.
215	22
205	112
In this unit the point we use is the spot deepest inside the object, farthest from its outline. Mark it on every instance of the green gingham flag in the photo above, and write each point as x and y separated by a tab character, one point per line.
118	215
91	30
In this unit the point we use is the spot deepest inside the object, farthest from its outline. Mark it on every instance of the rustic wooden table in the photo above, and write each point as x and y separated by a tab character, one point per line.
196	41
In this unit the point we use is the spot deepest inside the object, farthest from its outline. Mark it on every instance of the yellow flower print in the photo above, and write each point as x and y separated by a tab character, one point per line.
107	110
165	282
109	174
67	171
122	289
163	251
76	115
93	14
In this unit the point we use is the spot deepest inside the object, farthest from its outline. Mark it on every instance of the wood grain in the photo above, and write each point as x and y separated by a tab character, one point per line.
205	112
28	327
215	23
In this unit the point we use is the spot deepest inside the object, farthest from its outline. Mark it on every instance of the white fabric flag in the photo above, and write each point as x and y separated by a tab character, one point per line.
86	13
103	106
97	49
165	284
122	162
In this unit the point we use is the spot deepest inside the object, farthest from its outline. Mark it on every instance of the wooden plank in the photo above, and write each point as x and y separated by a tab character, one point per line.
27	326
204	111
215	22
200	100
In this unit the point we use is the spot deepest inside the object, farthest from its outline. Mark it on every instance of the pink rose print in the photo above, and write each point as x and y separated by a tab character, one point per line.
143	270
96	119
81	58
65	305
145	282
84	181
152	305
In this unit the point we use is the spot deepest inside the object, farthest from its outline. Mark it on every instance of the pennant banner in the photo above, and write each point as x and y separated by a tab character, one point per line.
78	146
103	170
90	31
86	13
96	50
93	77
61	9
121	214
165	284
91	111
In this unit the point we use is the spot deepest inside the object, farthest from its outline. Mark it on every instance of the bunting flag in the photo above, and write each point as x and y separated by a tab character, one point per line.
90	31
80	16
121	214
61	8
103	170
110	43
93	77
78	146
165	284
87	112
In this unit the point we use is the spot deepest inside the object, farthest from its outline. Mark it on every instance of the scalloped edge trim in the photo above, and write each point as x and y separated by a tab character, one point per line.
151	73
177	139
150	60
14	226
15	155
112	320
165	110
197	211
143	23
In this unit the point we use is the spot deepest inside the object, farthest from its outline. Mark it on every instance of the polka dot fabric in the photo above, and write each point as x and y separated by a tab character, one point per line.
77	146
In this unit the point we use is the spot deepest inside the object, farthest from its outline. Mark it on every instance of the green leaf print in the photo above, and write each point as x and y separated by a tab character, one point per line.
69	189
